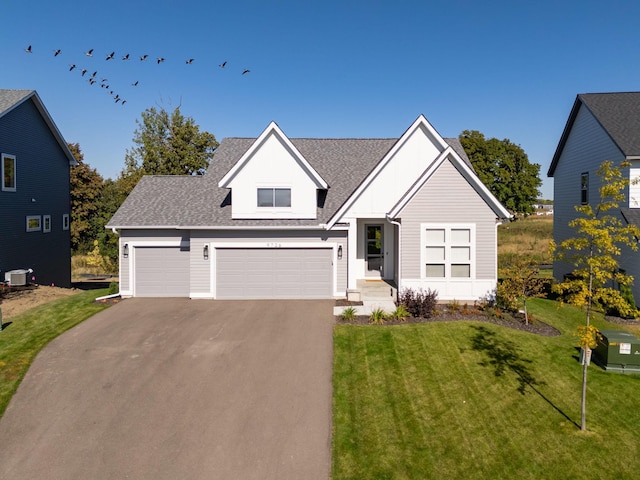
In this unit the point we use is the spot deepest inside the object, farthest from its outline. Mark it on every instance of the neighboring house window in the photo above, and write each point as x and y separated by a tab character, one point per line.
274	197
65	221
584	188
448	251
8	173
46	223
34	223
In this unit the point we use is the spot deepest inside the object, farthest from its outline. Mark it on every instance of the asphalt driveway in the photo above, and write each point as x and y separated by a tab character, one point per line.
178	389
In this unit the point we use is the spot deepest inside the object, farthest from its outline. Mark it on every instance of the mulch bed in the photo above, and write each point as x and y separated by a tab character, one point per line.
445	315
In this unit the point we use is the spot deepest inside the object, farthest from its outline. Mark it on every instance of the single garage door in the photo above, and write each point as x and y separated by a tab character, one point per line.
161	272
274	273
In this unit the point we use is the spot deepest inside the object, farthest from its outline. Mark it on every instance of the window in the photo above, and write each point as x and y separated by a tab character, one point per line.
448	251
34	223
274	197
46	223
584	188
65	221
8	173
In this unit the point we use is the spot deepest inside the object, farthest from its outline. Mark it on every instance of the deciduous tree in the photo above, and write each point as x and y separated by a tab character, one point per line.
505	170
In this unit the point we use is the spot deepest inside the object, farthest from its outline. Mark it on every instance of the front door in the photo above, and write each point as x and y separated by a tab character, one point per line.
374	251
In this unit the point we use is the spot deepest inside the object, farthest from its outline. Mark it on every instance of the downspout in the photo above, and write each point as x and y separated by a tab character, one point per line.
399	272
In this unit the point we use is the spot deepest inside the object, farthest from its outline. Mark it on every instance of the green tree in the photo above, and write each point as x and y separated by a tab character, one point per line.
166	144
86	188
594	251
505	170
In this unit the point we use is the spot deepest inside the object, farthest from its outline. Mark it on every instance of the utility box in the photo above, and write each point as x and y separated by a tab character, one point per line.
16	277
618	351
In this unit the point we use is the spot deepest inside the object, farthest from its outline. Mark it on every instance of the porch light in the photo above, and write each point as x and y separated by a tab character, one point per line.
339	252
125	250
205	252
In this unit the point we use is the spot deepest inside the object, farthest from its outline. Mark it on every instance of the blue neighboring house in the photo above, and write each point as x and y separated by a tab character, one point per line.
35	200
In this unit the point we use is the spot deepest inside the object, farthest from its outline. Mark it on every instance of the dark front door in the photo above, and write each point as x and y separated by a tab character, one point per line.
374	251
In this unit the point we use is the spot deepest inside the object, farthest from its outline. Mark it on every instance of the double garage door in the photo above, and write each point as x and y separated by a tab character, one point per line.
274	273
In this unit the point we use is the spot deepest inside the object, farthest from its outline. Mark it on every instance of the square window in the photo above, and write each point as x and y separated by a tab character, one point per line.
65	221
460	270
265	197
46	223
435	235
460	236
8	173
460	254
435	254
34	223
435	270
282	197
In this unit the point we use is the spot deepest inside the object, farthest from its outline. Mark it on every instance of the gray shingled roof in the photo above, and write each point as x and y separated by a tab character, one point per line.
183	201
619	115
9	98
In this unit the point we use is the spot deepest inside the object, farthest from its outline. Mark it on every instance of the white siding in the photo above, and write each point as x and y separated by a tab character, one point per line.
447	198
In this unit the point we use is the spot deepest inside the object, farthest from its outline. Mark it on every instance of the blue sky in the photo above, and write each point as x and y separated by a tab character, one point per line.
510	69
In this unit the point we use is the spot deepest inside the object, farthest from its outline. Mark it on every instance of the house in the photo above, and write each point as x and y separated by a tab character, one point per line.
601	126
279	217
34	195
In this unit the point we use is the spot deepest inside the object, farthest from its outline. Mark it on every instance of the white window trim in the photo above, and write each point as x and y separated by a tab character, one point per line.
46	223
65	221
34	217
447	227
15	173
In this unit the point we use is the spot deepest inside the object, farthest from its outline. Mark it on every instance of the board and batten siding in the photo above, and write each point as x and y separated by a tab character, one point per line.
42	188
202	271
586	147
448	198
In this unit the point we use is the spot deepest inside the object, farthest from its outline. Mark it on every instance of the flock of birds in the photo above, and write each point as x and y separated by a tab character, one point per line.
104	82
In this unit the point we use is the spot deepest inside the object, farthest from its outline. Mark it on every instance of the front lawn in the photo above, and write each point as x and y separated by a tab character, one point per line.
476	400
28	333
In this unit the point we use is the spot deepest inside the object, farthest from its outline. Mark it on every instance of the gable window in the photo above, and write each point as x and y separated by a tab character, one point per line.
448	251
584	188
8	173
274	197
34	223
65	221
46	223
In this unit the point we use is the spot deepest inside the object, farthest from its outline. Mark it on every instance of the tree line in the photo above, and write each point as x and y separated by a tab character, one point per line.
168	143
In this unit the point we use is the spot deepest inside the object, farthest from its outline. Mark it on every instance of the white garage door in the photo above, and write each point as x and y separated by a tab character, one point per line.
161	272
274	273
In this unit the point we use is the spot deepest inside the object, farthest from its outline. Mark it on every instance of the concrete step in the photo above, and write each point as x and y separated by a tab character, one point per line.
368	306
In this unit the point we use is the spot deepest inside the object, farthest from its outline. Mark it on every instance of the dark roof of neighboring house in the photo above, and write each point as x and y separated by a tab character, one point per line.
197	201
631	215
617	113
11	99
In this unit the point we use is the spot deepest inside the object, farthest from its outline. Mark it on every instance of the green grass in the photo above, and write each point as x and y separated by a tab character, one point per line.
476	400
30	331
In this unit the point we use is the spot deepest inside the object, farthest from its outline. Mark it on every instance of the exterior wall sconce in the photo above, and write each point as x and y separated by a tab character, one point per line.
339	252
125	250
205	252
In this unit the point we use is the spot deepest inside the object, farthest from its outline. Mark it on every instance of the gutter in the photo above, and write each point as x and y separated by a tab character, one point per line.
399	272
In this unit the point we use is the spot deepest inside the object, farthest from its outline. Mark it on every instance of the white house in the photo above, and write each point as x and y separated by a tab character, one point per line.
279	217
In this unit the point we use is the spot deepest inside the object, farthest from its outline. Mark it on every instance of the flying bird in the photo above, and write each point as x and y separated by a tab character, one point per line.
91	81
94	74
111	55
160	60
89	53
28	49
84	70
123	102
126	57
135	84
72	66
189	62
246	70
143	58
57	52
223	64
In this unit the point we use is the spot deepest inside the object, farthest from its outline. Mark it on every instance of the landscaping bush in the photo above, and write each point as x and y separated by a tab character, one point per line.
113	288
400	313
419	303
378	316
348	314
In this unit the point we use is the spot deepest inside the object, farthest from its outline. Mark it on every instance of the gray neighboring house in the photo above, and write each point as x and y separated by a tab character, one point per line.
35	191
276	217
601	126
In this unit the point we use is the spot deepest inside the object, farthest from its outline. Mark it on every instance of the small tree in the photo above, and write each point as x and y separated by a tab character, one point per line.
521	282
600	234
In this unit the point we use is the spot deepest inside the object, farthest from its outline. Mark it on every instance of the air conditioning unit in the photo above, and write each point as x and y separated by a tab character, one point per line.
16	277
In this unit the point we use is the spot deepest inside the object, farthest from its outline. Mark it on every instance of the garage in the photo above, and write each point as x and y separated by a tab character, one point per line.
284	273
161	272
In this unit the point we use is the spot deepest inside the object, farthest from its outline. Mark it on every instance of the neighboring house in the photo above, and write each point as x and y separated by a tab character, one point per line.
34	192
276	217
601	126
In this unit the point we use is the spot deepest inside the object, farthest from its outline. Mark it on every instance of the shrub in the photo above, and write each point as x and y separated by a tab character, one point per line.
400	313
349	313
454	306
378	316
113	288
419	303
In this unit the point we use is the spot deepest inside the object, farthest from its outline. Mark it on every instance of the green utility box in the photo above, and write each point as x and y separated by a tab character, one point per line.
618	351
